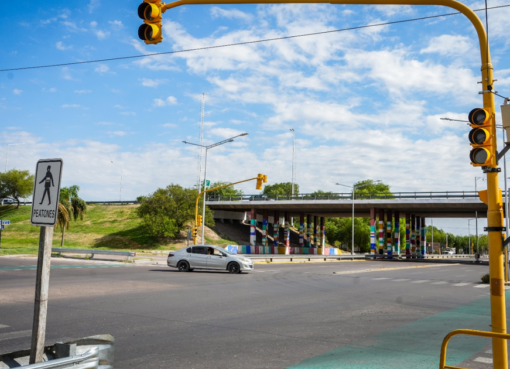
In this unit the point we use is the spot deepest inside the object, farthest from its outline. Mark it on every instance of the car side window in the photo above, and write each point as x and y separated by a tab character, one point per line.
199	250
188	250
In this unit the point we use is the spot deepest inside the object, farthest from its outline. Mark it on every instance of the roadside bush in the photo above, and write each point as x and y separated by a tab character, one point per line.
168	210
485	278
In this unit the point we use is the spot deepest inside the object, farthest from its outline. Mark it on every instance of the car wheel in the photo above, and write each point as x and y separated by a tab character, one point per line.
234	268
183	266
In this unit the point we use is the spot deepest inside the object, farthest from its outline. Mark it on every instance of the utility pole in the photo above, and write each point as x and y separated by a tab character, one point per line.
293	157
202	115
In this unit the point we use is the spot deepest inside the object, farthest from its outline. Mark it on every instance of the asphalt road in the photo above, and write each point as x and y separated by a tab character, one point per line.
364	314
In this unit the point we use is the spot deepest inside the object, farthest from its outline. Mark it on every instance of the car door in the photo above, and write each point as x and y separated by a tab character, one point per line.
198	257
217	260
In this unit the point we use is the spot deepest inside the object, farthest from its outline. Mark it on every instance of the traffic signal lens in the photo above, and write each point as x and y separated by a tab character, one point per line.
480	156
478	117
148	11
479	136
148	32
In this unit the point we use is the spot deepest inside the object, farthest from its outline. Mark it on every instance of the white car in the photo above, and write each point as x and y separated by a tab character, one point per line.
208	257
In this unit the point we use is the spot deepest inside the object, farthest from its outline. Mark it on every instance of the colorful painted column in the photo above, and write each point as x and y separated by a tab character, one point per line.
372	231
301	229
309	230
276	227
381	232
323	232
418	237
253	228
413	236
287	229
408	235
264	228
315	231
389	234
424	239
396	235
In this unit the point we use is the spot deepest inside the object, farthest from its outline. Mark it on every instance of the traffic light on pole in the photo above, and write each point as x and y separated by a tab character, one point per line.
152	30
199	220
194	233
483	152
261	178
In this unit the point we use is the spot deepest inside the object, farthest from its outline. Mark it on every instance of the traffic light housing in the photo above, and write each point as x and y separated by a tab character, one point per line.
199	220
194	233
261	178
483	152
151	32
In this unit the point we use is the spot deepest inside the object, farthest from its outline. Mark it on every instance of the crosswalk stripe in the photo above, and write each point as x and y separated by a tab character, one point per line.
488	352
485	360
4	326
421	281
442	282
400	280
461	284
379	279
482	286
13	335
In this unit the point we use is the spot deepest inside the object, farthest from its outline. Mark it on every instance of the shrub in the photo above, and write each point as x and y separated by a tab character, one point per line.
485	278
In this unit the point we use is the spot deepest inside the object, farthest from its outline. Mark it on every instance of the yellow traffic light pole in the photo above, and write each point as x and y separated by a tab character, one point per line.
259	178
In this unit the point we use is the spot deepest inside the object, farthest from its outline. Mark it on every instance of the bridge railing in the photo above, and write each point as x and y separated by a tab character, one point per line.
348	196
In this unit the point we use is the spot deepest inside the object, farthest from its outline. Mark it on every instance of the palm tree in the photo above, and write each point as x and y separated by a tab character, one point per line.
71	206
63	220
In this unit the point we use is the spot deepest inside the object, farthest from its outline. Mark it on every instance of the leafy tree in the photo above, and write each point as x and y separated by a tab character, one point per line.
225	191
16	184
281	189
320	193
366	187
168	210
74	207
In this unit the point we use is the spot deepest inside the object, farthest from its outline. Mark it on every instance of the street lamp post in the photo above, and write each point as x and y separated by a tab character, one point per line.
354	187
231	139
120	187
293	156
7	153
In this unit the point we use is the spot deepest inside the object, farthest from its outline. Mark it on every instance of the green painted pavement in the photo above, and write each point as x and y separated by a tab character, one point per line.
64	266
415	345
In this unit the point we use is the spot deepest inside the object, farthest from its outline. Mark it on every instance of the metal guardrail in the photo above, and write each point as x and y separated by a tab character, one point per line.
348	196
469	332
303	257
428	256
88	360
60	250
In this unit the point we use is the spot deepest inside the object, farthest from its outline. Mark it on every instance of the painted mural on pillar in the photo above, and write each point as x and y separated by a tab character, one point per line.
264	232
389	236
253	232
301	235
276	232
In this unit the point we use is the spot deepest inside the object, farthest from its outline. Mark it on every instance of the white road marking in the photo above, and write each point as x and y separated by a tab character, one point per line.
482	286
421	281
485	360
379	279
4	326
461	284
442	282
488	352
400	280
13	335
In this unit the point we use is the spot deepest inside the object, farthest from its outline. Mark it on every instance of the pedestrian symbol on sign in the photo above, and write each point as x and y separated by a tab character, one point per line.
48	182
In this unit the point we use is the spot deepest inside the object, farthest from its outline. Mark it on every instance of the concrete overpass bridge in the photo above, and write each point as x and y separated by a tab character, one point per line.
384	210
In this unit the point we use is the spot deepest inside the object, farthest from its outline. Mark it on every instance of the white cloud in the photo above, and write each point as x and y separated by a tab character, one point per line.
17	91
93	24
130	113
169	125
390	10
105	123
117	133
102	68
116	23
101	35
93	4
60	45
52	89
225	132
449	45
66	74
71	106
217	12
82	91
146	82
170	100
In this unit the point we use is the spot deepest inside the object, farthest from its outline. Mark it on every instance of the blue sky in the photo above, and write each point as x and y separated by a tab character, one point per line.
364	103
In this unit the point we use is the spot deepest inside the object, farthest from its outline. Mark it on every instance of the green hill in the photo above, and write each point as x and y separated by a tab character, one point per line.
115	227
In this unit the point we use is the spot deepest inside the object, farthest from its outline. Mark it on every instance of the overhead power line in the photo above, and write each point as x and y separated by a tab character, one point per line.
247	42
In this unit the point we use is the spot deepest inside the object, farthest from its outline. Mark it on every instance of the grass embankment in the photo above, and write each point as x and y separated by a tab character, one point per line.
113	227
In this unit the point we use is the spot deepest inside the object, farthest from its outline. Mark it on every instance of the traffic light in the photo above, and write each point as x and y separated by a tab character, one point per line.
261	178
152	30
199	220
194	233
483	153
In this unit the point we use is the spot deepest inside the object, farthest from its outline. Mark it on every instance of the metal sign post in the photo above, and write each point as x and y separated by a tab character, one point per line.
45	198
3	223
